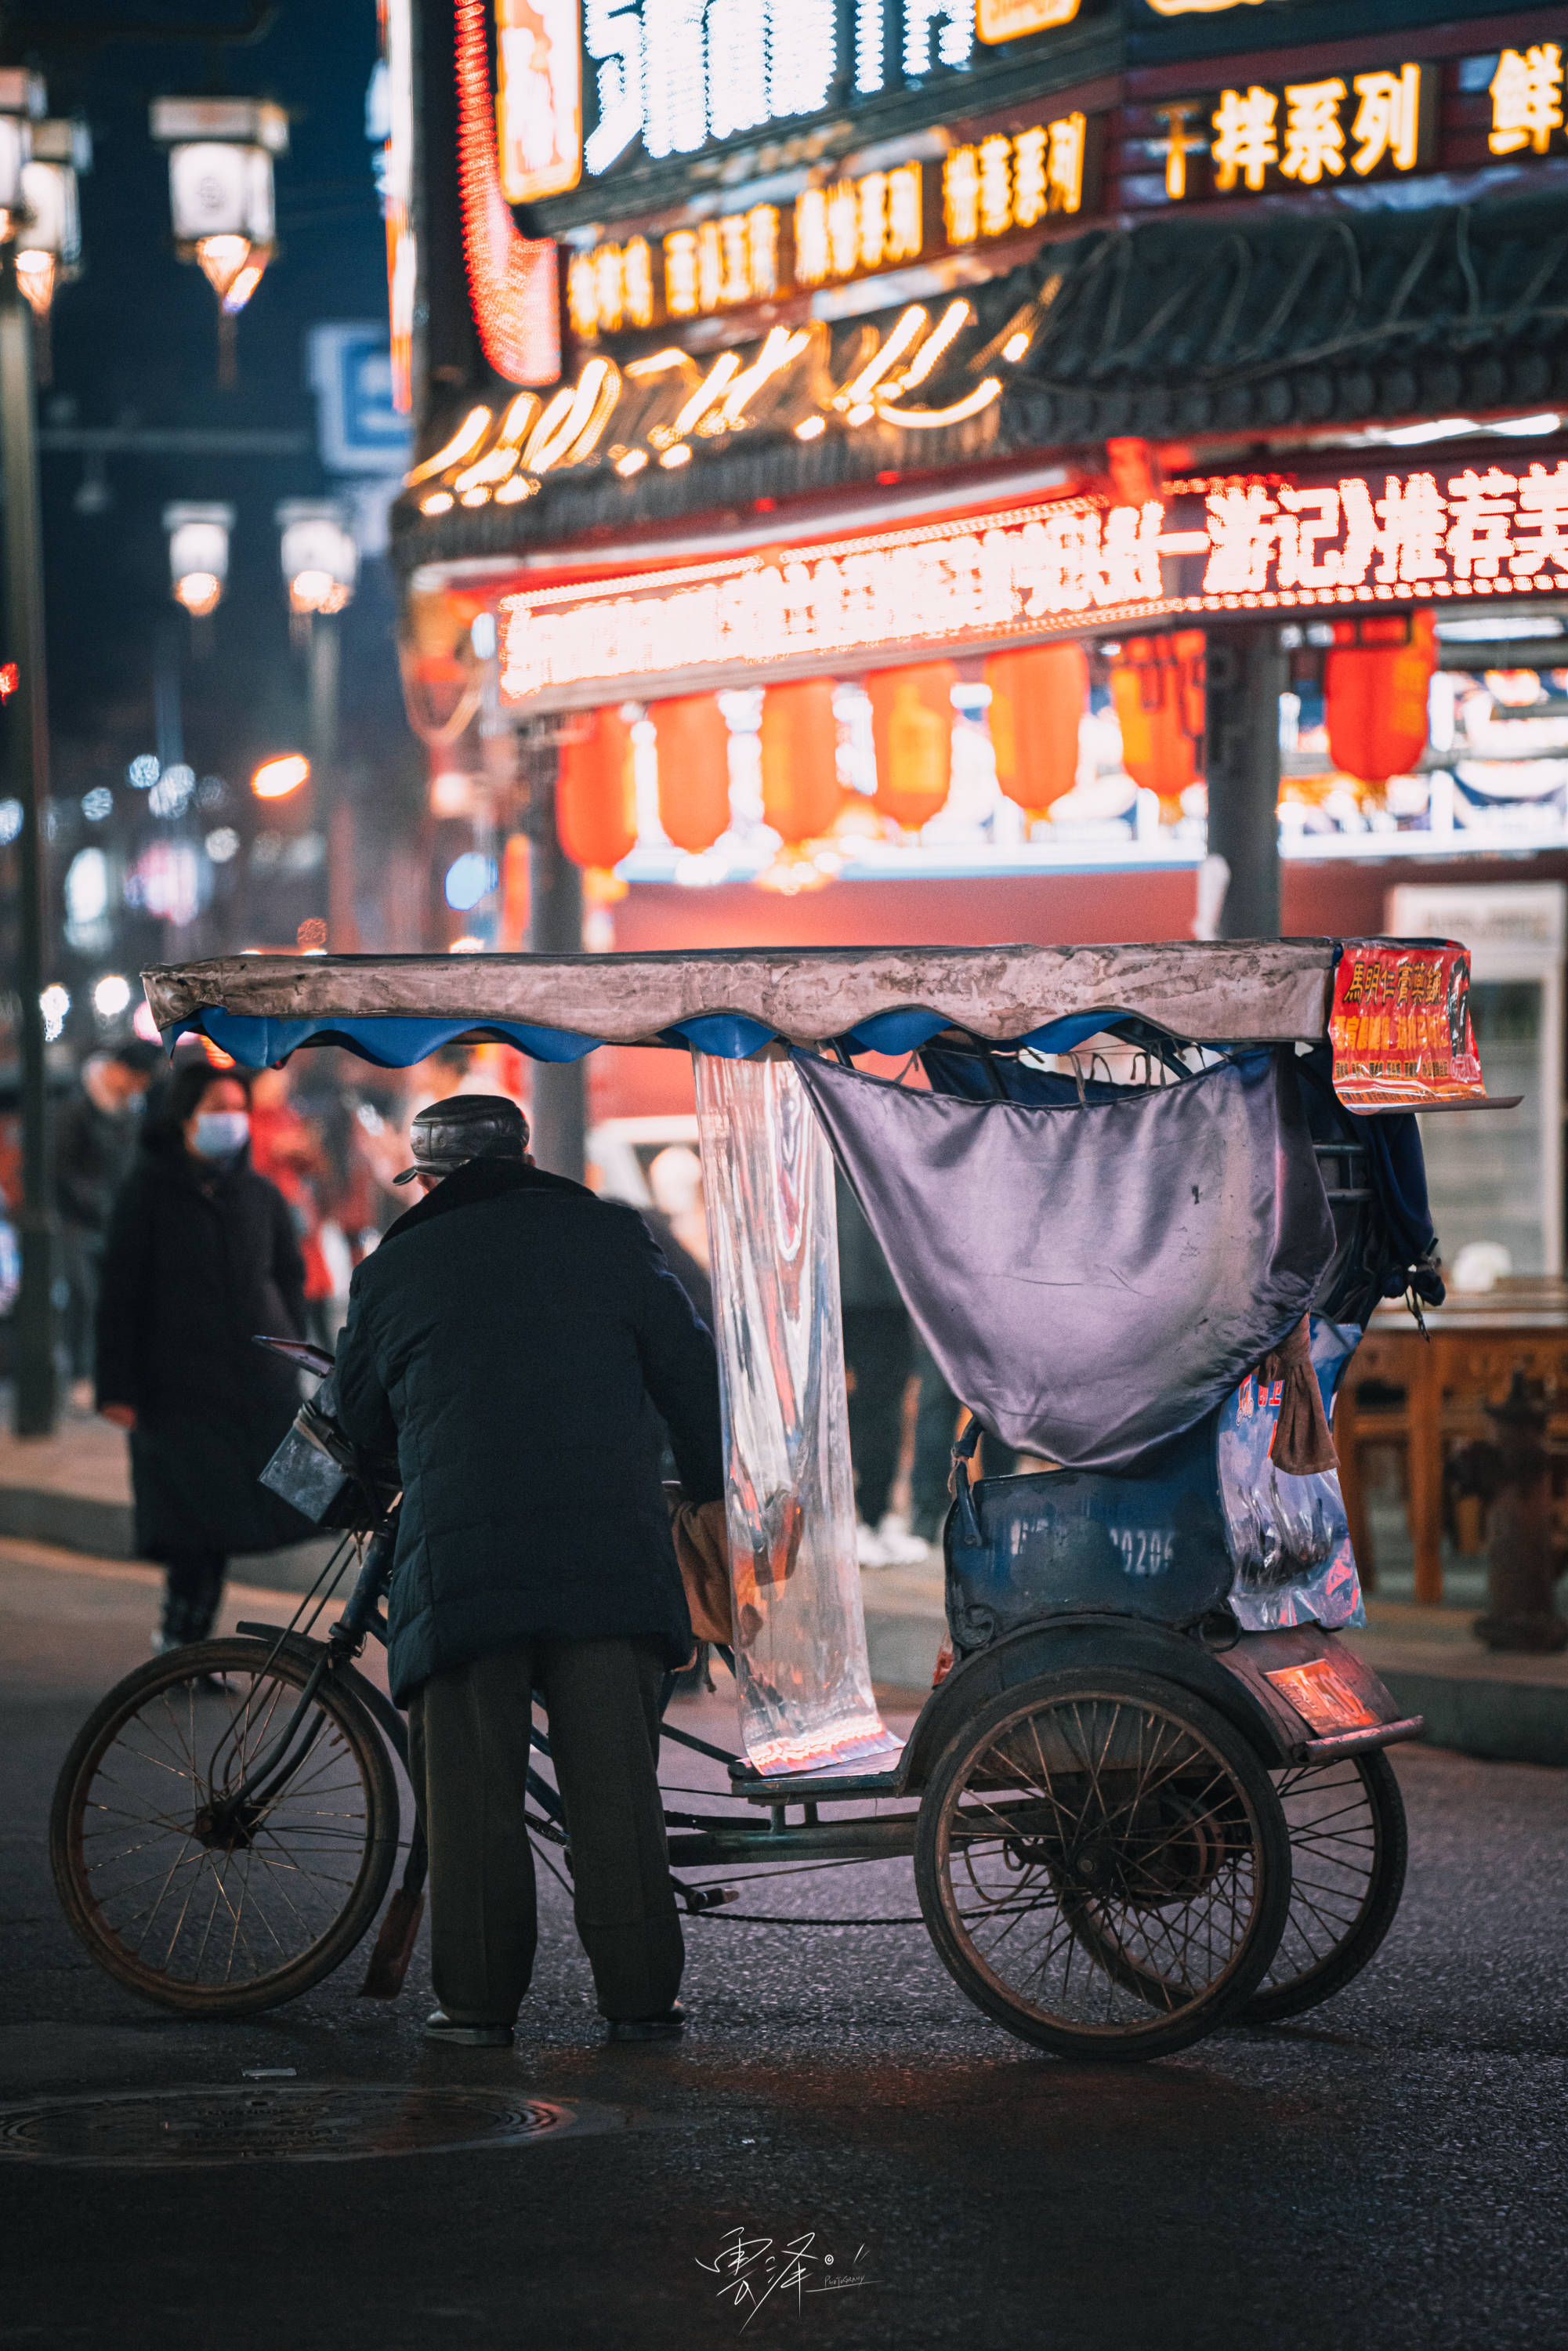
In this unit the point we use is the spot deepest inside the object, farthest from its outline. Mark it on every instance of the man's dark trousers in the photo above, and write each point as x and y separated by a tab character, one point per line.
469	1733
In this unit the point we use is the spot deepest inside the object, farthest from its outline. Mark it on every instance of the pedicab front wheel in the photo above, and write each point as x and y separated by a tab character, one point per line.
201	1864
1102	1863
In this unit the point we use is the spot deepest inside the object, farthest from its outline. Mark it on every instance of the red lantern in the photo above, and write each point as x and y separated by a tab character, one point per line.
1157	687
596	793
800	787
1376	682
1038	697
912	724
693	769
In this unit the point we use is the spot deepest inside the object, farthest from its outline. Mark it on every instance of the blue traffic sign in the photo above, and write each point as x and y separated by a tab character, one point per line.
357	429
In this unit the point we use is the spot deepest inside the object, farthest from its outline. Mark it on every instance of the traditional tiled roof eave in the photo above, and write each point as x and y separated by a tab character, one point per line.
1194	328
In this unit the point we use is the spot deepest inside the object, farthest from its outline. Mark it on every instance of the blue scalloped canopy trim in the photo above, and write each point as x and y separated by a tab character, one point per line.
257	1042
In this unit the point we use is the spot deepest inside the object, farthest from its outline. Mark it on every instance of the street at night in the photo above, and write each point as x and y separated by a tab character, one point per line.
783	1224
1389	2170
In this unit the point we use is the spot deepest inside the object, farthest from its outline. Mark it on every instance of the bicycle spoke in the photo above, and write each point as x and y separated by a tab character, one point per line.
1139	1789
187	1886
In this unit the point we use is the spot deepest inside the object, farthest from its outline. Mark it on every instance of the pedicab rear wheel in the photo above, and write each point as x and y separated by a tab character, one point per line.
1102	1863
207	1907
1348	1851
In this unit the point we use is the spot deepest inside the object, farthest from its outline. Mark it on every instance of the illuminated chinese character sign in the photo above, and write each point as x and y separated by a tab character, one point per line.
1400	1027
847	229
539	97
1232	545
1493	532
670	77
1303	134
1385	121
1526	93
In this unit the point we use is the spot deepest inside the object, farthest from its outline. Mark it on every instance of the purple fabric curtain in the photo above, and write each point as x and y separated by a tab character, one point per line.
1091	1281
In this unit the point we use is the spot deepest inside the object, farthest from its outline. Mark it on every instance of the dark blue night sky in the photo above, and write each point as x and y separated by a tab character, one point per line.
135	341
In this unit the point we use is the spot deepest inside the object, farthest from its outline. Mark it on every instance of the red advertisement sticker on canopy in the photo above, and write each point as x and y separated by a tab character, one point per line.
1401	1028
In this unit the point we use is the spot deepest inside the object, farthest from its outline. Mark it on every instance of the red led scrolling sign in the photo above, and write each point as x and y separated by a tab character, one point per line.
1400	1030
1231	545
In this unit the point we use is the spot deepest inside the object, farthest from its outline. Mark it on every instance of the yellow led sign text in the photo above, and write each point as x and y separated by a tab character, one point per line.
857	225
1213	547
1526	94
849	229
1004	183
1306	134
612	287
723	263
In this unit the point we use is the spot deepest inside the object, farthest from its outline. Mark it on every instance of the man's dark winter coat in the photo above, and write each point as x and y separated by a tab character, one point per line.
197	1260
507	1335
95	1151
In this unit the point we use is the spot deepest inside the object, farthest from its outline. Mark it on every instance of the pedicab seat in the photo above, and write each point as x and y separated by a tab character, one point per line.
1205	1521
1063	1541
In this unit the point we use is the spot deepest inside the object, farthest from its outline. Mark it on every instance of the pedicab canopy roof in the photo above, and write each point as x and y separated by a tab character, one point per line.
1396	1010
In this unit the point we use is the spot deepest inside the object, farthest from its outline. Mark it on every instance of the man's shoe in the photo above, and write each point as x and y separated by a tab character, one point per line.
438	2026
668	2027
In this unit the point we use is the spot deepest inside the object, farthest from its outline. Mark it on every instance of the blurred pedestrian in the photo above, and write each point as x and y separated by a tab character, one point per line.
289	1150
200	1257
879	1355
678	1224
96	1133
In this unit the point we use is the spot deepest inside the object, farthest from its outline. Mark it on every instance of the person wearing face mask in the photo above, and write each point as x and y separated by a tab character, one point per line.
200	1256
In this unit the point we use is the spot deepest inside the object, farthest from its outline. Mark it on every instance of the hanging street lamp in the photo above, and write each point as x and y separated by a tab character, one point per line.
320	562
198	555
22	102
220	195
319	555
47	223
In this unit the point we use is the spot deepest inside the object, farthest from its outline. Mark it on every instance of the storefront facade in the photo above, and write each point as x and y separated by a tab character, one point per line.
908	470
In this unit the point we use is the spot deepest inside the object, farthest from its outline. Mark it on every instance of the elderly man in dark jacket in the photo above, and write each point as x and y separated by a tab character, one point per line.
512	1336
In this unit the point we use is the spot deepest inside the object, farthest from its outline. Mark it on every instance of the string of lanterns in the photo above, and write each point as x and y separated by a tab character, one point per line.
1375	681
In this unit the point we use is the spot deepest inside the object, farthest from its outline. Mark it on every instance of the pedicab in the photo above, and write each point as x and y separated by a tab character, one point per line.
1140	1201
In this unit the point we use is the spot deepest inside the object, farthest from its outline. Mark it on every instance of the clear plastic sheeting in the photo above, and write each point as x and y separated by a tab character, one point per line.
1290	1540
804	1680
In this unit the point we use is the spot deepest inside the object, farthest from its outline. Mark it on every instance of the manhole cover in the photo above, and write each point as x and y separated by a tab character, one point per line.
325	2122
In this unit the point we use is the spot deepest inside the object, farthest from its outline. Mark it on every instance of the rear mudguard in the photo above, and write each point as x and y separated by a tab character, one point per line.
1233	1680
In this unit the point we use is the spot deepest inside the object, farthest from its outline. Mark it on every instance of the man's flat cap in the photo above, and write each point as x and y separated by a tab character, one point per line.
447	1135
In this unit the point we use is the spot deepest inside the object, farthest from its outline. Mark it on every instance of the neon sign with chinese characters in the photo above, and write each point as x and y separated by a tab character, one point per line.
539	97
672	76
1301	134
846	229
1526	93
1231	545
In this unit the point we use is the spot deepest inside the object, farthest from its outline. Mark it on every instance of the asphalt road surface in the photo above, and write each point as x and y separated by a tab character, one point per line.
1387	2173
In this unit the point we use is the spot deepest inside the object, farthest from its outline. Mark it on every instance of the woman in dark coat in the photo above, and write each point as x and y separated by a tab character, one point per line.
200	1256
